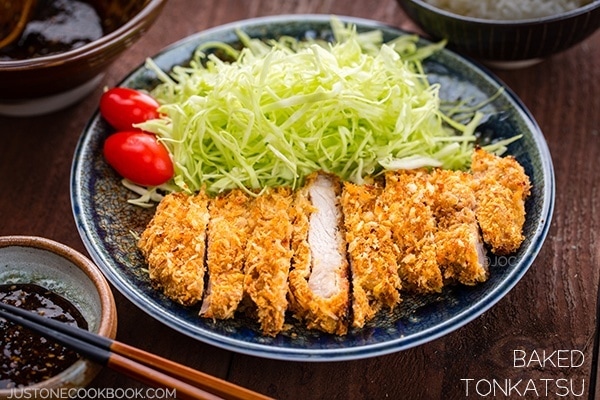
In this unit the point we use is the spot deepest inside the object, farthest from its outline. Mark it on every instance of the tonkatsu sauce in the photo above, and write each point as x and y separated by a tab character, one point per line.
25	356
56	26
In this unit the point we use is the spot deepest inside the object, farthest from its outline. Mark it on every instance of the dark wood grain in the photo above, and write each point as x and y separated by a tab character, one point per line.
552	308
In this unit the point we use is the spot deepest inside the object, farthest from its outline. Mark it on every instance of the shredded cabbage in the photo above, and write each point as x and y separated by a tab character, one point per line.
285	108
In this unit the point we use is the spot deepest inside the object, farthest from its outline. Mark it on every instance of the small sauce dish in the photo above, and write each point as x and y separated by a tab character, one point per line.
43	270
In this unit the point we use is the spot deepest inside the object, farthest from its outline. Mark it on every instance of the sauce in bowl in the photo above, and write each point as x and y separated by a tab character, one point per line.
56	26
25	356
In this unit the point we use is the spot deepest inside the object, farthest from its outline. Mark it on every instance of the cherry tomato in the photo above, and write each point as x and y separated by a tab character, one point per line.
122	107
139	157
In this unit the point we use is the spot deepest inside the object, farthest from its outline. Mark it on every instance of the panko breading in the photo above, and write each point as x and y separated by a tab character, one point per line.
407	200
318	281
228	231
501	190
335	254
372	254
460	251
268	257
174	244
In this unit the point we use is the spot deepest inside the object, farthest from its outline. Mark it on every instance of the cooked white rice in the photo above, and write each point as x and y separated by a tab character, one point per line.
507	9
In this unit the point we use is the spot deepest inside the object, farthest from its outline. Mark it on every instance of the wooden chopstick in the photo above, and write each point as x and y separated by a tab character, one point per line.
143	366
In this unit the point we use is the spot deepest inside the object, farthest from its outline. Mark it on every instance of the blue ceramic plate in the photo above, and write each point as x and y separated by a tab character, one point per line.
106	221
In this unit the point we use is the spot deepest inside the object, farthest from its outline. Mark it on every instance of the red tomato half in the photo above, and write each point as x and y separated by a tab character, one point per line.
122	107
139	157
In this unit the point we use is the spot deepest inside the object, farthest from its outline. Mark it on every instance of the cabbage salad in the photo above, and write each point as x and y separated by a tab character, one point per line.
275	111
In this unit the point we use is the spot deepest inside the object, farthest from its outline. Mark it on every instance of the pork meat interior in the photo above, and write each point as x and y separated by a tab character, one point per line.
319	287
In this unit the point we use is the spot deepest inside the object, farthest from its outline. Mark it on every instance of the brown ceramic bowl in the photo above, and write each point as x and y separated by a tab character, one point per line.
506	43
46	83
63	270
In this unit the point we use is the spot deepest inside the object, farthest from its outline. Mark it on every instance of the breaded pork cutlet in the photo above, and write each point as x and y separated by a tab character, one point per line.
372	254
501	189
318	282
268	257
460	251
228	231
406	201
173	245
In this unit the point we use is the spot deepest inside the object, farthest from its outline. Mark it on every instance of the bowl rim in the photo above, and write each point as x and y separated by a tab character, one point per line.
123	32
594	4
108	316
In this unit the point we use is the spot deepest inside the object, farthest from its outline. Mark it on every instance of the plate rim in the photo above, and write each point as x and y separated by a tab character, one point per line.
429	334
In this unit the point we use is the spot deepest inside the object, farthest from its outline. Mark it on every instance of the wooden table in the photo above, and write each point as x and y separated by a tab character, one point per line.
552	310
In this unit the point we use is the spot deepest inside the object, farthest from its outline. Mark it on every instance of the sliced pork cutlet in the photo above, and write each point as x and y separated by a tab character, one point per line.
174	245
318	282
268	257
501	190
406	204
372	254
228	230
460	251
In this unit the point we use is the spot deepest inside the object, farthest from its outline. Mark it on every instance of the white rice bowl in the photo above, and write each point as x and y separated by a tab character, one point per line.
508	9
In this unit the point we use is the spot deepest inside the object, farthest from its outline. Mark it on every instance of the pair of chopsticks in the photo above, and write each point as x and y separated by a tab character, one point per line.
138	364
